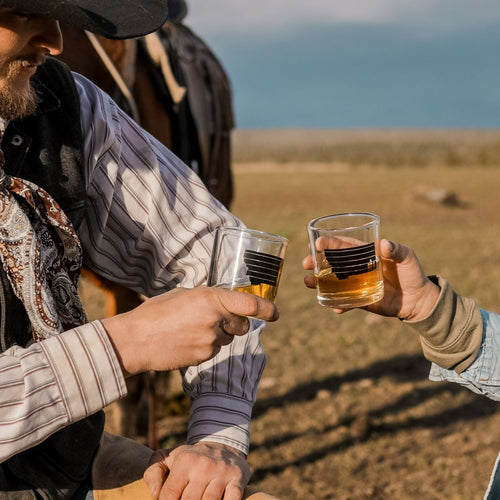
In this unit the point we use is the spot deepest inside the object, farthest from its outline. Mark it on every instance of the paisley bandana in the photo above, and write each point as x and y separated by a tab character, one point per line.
41	255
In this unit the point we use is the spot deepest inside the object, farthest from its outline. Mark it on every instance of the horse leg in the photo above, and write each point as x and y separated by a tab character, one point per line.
152	437
124	300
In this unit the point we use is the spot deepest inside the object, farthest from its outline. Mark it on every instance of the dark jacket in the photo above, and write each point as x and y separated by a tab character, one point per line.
47	149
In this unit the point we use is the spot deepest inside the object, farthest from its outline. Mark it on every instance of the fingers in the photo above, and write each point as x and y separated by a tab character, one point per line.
308	262
334	242
389	249
215	490
232	492
235	325
155	474
310	281
245	304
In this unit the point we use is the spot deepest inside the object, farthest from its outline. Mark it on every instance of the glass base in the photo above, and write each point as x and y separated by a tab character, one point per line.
349	301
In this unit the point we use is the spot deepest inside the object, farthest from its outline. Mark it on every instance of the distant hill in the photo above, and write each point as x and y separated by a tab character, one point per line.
393	147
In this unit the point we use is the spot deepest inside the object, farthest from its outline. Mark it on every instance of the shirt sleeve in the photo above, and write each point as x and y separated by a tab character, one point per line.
149	225
462	341
483	375
452	333
53	383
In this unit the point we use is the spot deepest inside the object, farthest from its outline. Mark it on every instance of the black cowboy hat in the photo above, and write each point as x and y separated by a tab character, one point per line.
109	18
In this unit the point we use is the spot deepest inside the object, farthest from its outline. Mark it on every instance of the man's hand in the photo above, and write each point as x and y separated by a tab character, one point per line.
183	327
206	470
408	293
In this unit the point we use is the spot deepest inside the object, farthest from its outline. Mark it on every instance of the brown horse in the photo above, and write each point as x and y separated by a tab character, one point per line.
121	68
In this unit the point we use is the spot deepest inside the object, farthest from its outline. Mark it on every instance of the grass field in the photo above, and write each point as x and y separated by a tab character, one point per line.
385	147
345	410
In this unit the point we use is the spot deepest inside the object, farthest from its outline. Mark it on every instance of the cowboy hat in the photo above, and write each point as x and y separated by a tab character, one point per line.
109	18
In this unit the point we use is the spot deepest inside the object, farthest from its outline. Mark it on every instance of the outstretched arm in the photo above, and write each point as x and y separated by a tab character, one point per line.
450	326
408	293
65	378
150	226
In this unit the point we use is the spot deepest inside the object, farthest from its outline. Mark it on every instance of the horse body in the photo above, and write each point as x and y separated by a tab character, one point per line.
81	57
176	123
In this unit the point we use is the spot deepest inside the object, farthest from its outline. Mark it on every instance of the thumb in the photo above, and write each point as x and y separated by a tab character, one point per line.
394	251
246	304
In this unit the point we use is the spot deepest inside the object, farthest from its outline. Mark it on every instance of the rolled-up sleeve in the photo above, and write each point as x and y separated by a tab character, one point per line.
483	375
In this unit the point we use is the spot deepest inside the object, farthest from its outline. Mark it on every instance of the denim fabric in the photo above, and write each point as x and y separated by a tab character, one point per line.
482	377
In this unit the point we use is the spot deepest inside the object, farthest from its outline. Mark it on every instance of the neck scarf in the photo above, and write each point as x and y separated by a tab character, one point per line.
41	255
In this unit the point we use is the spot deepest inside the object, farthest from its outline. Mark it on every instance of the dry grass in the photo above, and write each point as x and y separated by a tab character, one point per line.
385	147
345	409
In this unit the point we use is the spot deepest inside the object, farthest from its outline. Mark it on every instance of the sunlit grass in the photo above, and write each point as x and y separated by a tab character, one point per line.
345	409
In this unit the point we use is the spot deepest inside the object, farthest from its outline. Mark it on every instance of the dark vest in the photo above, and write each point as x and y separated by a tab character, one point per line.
47	149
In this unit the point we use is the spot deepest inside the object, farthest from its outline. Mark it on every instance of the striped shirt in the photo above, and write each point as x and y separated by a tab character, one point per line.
148	225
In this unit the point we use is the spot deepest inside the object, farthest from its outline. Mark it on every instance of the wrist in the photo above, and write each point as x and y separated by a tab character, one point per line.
425	302
222	447
120	336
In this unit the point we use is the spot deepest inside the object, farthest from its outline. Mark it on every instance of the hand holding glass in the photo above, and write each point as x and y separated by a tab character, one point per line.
346	259
247	261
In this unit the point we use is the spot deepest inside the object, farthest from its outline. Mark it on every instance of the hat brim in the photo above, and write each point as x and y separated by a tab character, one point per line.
109	18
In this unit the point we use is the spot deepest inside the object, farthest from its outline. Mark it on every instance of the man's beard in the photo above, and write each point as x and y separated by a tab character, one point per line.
15	103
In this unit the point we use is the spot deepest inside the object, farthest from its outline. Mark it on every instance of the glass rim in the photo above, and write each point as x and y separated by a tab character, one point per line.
252	233
374	219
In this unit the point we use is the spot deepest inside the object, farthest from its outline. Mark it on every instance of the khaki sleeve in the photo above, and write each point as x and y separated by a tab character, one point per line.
451	335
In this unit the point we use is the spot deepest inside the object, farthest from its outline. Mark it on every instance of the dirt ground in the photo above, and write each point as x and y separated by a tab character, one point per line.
345	409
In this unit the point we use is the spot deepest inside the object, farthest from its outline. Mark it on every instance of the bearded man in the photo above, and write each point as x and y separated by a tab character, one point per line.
80	181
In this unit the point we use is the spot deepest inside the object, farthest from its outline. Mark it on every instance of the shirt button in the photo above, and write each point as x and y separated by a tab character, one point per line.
17	140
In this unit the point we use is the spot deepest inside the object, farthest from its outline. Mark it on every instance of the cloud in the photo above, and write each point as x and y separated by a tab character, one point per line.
425	17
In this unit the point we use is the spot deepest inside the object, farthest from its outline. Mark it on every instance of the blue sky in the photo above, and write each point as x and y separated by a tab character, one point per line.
375	63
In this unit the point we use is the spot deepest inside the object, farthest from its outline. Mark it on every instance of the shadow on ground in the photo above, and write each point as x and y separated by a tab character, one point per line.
402	369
